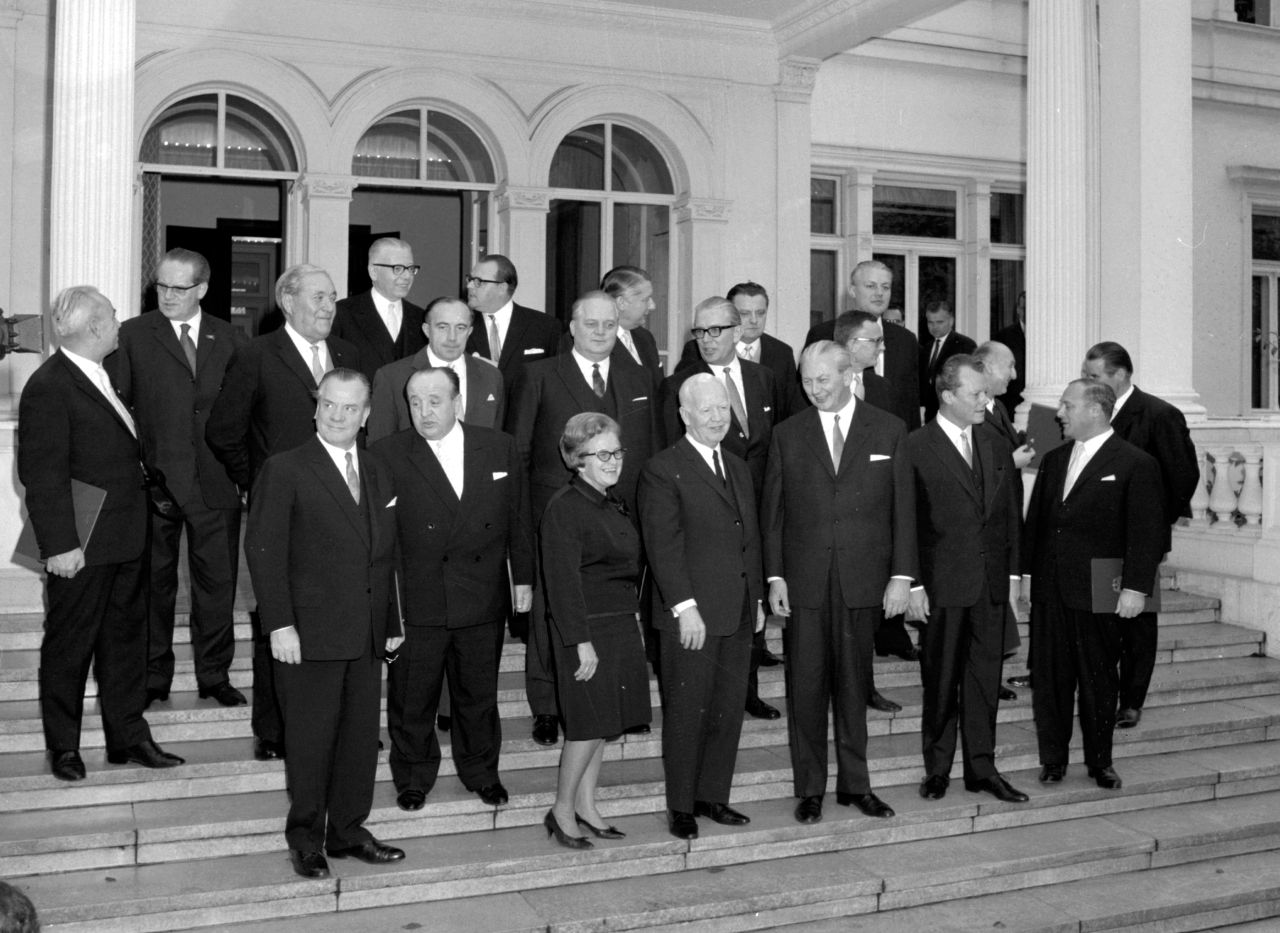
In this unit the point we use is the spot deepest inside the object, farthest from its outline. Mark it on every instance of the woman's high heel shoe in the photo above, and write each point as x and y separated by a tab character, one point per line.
609	832
569	842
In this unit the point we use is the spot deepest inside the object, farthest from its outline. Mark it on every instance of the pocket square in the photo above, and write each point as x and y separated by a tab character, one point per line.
1109	479
490	398
533	351
641	398
500	475
768	408
875	457
392	503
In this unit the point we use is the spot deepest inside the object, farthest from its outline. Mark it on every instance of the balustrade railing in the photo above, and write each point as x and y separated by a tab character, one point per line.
1232	497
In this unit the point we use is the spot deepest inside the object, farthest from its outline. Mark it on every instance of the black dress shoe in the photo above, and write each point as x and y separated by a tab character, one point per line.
606	832
869	804
309	864
768	658
809	809
934	787
66	766
444	723
1128	718
642	729
1007	695
569	842
998	788
495	795
1022	680
546	731
682	825
720	813
266	750
148	754
411	799
885	705
372	852
1053	774
154	694
1106	778
224	693
761	710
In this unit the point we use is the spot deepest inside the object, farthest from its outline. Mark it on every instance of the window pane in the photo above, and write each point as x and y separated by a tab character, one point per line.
579	162
573	253
255	139
185	134
923	212
455	152
822	205
1006	287
1266	237
637	164
390	148
1263	381
1006	218
937	283
642	237
898	298
822	286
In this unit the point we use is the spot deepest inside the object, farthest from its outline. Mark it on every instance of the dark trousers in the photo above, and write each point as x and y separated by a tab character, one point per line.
539	661
892	637
267	721
97	617
469	657
703	693
1075	649
829	652
330	712
961	651
213	557
1138	640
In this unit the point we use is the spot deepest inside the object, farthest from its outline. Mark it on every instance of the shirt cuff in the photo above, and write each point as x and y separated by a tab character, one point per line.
682	606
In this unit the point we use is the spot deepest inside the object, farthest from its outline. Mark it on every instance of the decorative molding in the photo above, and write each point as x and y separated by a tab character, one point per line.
1255	177
796	73
315	185
515	198
709	210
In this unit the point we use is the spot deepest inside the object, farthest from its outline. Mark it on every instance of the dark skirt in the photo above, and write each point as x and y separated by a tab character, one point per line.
617	695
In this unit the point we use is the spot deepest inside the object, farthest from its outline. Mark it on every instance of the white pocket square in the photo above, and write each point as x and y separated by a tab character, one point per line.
1109	479
533	351
641	398
490	398
768	408
392	503
500	475
875	457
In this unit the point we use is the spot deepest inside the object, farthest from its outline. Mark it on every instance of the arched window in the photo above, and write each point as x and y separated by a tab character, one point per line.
219	130
394	146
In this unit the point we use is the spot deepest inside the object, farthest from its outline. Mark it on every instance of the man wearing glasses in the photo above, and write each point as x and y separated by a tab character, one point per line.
380	322
509	334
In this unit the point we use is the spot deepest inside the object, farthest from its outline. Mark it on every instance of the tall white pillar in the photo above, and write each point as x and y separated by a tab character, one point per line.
792	96
91	217
700	230
1062	236
326	215
522	238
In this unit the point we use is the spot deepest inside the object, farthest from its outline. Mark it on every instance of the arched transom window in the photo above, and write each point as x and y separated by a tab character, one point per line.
219	131
423	145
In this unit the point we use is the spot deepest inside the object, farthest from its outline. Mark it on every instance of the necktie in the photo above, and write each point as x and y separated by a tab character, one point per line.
495	342
317	368
188	347
1073	468
394	318
597	381
837	443
715	460
966	448
750	351
933	357
627	341
858	388
735	401
353	479
462	394
107	389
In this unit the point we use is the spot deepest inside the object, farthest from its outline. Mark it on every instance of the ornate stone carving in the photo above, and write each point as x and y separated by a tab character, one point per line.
514	198
327	186
798	74
702	209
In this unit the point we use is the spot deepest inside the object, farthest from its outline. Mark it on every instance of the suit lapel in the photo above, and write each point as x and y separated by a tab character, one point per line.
991	471
292	359
85	384
571	376
163	332
952	460
424	460
515	337
206	346
374	499
855	456
818	442
333	481
705	473
1097	464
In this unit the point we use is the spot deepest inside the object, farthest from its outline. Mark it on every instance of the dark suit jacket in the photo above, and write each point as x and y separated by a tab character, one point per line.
357	322
862	516
171	406
966	531
702	538
484	406
1015	338
998	420
548	393
901	366
533	336
319	561
952	344
1152	424
779	358
646	346
454	553
267	404
68	430
1114	510
762	400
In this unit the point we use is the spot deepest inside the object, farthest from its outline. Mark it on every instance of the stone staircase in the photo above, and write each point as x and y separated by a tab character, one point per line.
1190	843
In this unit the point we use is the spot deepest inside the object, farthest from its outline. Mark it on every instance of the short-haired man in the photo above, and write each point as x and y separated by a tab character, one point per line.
1152	425
508	334
169	369
1014	337
321	547
74	432
632	291
944	342
695	500
1001	368
1098	497
381	323
462	513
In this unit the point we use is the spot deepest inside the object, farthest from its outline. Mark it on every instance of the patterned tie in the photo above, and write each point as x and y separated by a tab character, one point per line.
317	368
715	459
597	381
837	443
495	342
750	351
353	479
735	401
188	347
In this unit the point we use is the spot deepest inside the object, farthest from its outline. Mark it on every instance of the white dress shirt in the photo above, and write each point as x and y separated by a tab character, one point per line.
459	366
339	457
585	365
102	382
449	451
304	350
501	317
1128	393
391	312
194	325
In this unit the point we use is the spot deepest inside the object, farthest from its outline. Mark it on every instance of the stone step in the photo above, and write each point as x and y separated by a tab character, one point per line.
652	881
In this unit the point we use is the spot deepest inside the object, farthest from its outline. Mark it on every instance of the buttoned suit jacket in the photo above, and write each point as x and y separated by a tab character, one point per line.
1152	424
454	552
267	404
357	321
901	366
952	344
779	358
532	336
646	346
484	405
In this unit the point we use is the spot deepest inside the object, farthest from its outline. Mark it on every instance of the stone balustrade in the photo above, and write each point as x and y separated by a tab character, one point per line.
1232	497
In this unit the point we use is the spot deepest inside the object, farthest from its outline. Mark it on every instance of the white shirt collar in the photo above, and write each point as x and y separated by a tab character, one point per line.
458	366
846	416
304	346
339	456
1092	444
451	443
1121	400
584	365
733	366
705	452
194	322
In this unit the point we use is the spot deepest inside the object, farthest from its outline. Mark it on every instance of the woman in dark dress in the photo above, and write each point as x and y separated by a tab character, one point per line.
590	567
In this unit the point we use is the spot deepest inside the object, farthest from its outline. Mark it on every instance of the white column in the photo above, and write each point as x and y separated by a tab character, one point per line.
91	215
522	238
1062	238
325	219
792	95
700	228
974	291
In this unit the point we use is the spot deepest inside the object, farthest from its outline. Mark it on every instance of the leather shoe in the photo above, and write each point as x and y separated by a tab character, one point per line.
1106	778
768	658
682	825
66	766
869	804
411	799
148	754
1128	718
444	723
885	705
605	832
761	710
569	842
1021	680
1053	774
373	852
309	864
224	693
266	750
720	813
546	731
906	654
154	694
934	787
495	795
998	788
809	809
1007	695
